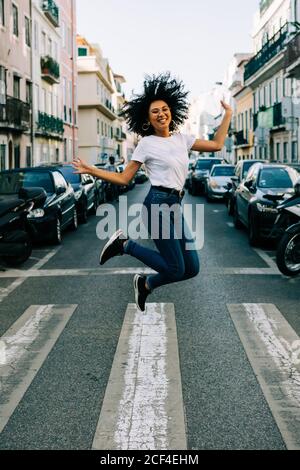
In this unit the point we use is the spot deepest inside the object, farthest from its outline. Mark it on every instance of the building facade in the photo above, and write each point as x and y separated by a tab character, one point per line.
276	133
15	84
96	114
120	125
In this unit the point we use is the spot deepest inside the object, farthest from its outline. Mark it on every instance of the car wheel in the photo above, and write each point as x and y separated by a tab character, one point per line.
74	223
236	220
17	260
253	231
57	238
84	214
230	206
194	189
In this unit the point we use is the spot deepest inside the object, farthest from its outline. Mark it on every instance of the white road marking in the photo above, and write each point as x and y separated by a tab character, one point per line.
24	348
21	279
143	407
273	349
230	224
267	259
22	275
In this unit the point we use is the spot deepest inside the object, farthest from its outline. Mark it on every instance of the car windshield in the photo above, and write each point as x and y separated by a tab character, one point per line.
205	164
11	183
70	176
274	178
246	168
223	171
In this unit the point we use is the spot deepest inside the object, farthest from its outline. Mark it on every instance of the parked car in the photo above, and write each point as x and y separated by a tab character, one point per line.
111	190
59	209
240	173
218	178
190	170
85	190
140	176
252	209
199	174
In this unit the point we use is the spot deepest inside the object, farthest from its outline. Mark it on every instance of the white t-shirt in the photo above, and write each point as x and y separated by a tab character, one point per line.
166	159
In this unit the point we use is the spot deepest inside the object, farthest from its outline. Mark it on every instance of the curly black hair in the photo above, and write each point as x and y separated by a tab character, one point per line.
161	87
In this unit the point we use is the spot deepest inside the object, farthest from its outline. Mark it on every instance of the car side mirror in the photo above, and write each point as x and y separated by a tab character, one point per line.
297	188
248	184
60	190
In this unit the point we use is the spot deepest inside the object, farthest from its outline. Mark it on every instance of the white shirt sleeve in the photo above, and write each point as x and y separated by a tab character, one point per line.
189	140
139	154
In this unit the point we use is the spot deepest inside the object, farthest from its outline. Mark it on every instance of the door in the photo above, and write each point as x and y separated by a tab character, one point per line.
65	198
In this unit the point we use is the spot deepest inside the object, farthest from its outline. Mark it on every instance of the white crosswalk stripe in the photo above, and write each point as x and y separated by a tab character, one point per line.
143	407
23	349
273	349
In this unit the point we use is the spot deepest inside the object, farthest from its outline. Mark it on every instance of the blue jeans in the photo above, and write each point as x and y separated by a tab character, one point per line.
173	262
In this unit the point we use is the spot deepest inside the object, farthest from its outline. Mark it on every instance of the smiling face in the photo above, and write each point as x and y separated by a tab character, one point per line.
160	117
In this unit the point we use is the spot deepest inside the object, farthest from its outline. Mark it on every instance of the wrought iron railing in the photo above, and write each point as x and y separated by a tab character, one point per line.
15	113
50	68
292	51
49	124
269	50
51	10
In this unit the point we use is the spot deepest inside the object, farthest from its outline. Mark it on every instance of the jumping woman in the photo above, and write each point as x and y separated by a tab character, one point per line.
155	115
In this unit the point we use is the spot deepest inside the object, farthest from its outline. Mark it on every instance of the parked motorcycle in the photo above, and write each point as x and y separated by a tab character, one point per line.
15	238
287	229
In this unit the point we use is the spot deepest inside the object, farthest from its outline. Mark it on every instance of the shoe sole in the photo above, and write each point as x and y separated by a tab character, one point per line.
136	291
110	241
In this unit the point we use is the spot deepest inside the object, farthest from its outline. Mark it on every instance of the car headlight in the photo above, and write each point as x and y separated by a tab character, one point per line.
265	208
213	184
36	213
78	194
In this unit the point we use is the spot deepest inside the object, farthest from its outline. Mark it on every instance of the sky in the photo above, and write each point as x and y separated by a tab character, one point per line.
193	39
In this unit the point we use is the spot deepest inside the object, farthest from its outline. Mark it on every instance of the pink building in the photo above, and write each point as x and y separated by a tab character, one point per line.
68	77
15	84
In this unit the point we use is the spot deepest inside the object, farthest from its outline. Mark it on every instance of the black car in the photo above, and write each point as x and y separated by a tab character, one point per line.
254	211
199	174
59	210
240	173
85	190
111	190
140	176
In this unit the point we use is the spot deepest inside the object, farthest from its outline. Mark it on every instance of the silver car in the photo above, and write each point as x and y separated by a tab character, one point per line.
218	178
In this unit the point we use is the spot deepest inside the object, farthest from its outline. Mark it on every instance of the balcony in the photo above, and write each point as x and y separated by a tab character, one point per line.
51	11
50	70
49	125
15	115
264	5
269	118
292	58
273	47
240	139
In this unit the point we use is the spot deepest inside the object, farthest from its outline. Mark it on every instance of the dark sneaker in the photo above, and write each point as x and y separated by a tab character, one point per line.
140	291
114	247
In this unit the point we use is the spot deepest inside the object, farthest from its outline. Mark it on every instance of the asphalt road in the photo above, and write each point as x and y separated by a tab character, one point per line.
224	404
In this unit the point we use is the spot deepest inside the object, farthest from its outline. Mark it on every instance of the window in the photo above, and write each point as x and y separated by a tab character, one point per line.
70	42
17	156
276	90
50	47
70	101
270	94
102	129
285	152
27	32
2	156
36	36
15	20
43	51
16	87
278	151
28	156
98	126
283	87
2	15
294	151
59	180
2	86
44	101
82	51
63	33
28	92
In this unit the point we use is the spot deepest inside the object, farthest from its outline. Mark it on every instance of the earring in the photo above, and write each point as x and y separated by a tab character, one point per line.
146	126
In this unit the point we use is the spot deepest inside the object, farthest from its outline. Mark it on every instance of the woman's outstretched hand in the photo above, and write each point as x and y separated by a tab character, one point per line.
226	107
80	166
